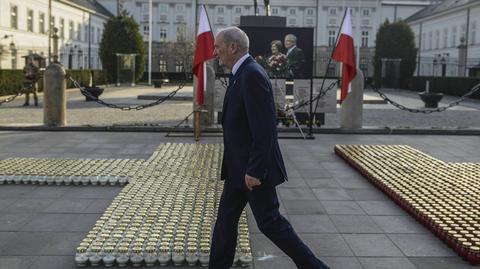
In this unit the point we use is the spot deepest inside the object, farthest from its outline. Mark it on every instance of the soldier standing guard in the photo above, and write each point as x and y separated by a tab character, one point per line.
32	75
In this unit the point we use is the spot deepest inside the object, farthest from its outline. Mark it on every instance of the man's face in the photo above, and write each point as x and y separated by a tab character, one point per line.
223	52
288	43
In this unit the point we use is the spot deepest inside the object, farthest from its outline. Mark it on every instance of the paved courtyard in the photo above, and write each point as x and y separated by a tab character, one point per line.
346	220
81	113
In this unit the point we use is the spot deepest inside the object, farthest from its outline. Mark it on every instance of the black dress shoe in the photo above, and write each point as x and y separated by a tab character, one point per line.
26	104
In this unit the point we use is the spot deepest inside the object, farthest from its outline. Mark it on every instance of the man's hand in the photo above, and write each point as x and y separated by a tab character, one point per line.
251	182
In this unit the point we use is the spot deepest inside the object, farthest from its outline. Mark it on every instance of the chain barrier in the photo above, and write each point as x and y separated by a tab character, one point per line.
427	111
125	108
320	95
20	93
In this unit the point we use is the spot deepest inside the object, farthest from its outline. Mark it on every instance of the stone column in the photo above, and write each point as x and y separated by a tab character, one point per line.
351	114
55	100
208	115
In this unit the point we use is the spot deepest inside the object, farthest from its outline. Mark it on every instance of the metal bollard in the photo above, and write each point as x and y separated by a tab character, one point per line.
55	100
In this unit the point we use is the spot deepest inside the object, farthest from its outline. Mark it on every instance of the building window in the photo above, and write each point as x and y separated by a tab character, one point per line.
473	34
180	7
179	66
71	30
238	10
163	8
332	11
292	21
30	20
145	8
364	39
366	12
292	11
445	37
14	58
181	33
309	21
220	10
145	28
332	22
14	17
310	12
62	28
85	31
275	11
463	31
162	66
430	40
331	38
79	32
437	39
454	36
41	23
424	41
220	20
99	35
236	20
163	34
52	22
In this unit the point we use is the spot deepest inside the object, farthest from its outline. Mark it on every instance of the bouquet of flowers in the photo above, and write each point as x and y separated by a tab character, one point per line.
277	66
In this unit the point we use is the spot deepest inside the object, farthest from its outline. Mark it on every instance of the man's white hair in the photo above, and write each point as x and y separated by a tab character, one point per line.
292	38
235	35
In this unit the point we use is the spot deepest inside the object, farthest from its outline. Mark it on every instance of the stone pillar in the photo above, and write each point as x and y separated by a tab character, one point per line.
352	107
54	95
209	114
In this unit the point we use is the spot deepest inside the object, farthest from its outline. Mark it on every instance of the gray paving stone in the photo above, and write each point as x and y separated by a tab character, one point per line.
366	195
263	246
98	205
441	263
312	224
354	183
299	207
307	165
69	206
61	223
317	183
314	173
372	245
296	194
5	202
42	244
13	191
294	183
52	262
386	263
13	262
48	192
342	262
331	194
421	245
378	208
331	245
342	208
273	262
399	224
99	192
28	205
355	224
11	222
6	237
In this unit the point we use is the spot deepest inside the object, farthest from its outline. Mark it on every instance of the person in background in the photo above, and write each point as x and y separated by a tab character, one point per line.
295	56
32	75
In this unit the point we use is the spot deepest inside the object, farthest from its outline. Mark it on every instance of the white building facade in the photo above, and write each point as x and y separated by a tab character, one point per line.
24	30
447	38
175	21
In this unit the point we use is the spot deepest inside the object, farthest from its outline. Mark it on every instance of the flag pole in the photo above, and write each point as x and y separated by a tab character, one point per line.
330	61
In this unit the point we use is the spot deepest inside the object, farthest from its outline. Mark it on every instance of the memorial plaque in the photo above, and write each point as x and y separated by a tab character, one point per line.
279	90
301	94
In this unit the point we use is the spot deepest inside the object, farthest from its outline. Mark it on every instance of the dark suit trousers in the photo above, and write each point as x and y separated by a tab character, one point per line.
263	201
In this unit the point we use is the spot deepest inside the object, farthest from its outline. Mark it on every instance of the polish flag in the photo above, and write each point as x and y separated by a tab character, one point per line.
203	53
345	53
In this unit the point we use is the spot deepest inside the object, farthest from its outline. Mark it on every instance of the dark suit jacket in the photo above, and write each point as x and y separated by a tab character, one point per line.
249	129
296	59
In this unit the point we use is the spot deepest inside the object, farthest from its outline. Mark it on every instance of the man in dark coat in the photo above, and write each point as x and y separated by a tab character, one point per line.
295	56
252	162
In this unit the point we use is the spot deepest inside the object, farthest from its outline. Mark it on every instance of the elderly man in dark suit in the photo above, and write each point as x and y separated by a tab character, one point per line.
295	56
252	164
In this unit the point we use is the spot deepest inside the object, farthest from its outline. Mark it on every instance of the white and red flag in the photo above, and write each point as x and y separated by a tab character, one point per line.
345	53
203	52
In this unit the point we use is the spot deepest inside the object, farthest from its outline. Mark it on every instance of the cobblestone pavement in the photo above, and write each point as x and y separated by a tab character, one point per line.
171	112
345	220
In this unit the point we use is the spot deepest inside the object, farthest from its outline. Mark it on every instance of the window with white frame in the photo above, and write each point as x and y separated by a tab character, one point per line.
220	20
30	20
162	65
437	39
366	12
179	66
71	30
310	12
424	41
181	33
220	10
85	31
463	31
99	35
309	21
61	28
79	32
163	8
445	37
180	7
236	20
292	12
52	22
331	38
41	23
145	28
365	39
430	40
454	36
13	17
238	10
292	21
144	8
473	33
332	11
275	11
163	34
